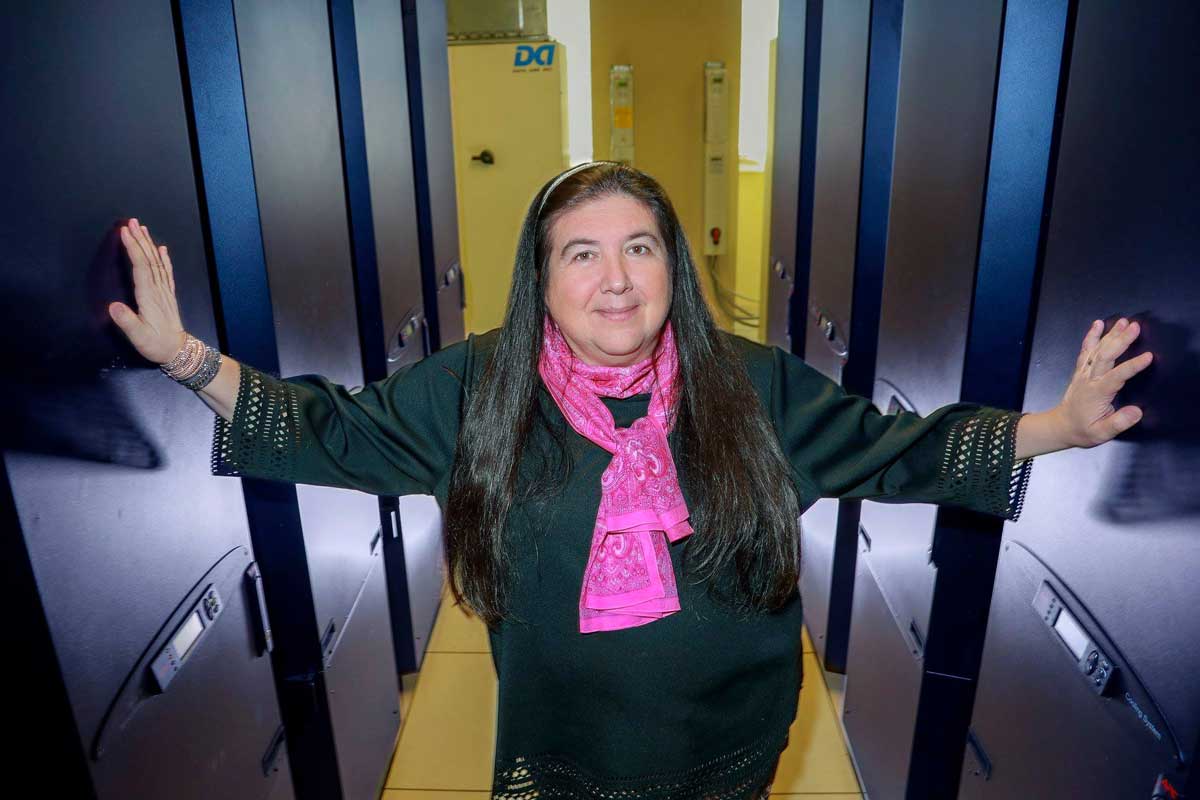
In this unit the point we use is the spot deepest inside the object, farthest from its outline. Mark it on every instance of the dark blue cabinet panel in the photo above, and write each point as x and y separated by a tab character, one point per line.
1111	530
114	528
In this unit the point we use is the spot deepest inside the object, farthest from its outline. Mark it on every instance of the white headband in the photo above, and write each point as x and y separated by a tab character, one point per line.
562	177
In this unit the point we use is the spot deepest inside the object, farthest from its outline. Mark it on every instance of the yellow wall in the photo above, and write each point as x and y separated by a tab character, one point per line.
751	258
667	43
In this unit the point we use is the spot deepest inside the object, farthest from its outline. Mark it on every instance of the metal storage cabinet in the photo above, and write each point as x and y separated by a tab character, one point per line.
114	530
825	582
338	588
900	708
793	108
855	134
840	110
1112	531
387	158
428	73
377	153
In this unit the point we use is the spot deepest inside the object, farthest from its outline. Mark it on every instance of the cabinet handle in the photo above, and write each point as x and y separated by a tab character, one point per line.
830	333
266	643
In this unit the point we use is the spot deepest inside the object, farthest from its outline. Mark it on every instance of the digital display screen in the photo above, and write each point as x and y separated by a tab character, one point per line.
187	634
1071	634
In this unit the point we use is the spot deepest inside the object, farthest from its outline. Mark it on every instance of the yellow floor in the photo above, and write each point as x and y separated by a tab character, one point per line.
448	714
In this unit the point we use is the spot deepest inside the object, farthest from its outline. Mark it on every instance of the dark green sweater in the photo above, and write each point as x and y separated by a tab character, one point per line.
694	705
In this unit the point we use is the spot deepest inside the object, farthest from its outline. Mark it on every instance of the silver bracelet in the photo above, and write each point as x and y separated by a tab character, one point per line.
186	361
208	370
195	365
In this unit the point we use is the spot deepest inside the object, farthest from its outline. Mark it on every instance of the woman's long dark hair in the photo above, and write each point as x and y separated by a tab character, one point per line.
730	457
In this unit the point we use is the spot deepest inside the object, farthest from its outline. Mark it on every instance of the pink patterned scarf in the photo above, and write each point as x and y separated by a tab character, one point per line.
629	580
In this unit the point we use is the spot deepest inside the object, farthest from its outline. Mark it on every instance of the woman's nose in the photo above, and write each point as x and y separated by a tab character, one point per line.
616	276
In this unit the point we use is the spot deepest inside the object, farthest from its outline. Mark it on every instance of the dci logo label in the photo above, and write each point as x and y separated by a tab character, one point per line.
529	56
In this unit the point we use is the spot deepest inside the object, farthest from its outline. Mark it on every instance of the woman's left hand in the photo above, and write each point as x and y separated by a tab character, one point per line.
1086	416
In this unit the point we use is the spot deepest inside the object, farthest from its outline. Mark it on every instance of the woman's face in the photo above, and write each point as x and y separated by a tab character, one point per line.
608	283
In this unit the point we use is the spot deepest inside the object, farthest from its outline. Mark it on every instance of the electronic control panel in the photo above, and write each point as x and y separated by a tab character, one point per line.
182	643
1096	667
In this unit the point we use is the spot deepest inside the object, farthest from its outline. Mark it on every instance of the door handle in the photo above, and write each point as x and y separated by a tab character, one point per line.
485	156
266	642
410	325
830	333
454	274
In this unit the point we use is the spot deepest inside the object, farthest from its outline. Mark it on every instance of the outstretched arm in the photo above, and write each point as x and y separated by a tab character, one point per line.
962	454
841	446
395	436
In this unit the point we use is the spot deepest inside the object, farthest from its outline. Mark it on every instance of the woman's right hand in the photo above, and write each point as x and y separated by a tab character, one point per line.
155	329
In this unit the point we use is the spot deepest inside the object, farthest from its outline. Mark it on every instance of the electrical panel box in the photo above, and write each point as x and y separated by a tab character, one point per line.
620	93
476	21
716	171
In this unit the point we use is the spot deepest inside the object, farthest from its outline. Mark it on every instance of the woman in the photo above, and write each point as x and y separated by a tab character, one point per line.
621	484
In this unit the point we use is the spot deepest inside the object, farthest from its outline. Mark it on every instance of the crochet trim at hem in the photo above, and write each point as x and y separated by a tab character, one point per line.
738	775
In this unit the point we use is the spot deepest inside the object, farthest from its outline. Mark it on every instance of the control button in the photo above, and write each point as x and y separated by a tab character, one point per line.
1092	660
211	605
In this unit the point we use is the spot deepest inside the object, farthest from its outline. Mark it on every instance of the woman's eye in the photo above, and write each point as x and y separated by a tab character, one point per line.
585	255
639	250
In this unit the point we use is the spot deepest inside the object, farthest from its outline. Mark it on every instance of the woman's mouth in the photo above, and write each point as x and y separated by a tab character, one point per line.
617	314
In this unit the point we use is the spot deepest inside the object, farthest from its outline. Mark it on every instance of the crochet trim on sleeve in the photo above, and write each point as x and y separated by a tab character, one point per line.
264	436
979	469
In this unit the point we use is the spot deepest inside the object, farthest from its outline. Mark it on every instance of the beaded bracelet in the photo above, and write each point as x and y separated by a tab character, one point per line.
195	365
